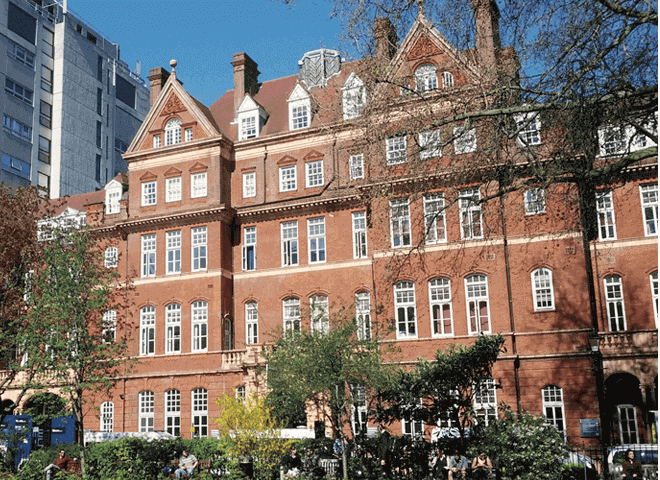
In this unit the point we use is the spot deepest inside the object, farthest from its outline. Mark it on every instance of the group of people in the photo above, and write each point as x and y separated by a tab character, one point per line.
307	467
455	467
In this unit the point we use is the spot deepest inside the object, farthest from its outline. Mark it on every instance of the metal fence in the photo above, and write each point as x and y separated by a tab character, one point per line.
590	458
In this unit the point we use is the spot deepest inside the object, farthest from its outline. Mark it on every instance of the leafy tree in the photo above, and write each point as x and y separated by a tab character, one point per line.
322	369
446	385
67	338
43	407
524	446
248	429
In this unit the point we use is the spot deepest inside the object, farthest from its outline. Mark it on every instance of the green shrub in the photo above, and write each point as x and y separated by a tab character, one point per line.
40	459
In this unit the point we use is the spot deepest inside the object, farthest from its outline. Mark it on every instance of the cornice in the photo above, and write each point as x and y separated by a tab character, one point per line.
297	204
223	213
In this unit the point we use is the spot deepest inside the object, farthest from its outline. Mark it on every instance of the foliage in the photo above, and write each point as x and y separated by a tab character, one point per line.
525	445
12	437
127	459
446	384
43	407
65	336
248	429
322	368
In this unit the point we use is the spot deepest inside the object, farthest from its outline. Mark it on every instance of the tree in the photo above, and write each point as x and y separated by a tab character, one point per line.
323	369
524	446
446	386
248	429
70	328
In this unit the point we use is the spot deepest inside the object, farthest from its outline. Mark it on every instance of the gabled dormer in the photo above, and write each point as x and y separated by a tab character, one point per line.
113	192
250	117
300	108
354	96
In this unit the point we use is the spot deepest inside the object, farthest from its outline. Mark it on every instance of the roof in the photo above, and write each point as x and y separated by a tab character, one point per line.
77	202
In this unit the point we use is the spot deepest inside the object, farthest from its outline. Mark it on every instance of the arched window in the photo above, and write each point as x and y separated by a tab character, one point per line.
173	132
553	406
318	306
111	254
544	294
146	411
363	315
291	307
616	310
107	417
476	293
109	326
173	412
200	412
200	318
440	299
426	78
251	323
406	310
173	328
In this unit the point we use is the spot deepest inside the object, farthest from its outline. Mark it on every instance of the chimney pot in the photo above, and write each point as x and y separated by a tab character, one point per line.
157	78
246	77
386	38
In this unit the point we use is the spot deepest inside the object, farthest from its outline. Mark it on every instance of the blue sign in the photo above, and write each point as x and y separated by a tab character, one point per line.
589	428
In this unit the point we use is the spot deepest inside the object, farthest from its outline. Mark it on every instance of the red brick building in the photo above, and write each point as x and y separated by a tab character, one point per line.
251	216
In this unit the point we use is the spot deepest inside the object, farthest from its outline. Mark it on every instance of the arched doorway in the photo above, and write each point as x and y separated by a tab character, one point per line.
626	409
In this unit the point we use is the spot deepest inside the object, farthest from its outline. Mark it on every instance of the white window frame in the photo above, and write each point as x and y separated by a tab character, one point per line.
529	129
553	407
412	428
107	417
359	224
447	79
109	332
173	132
173	252
173	412
249	248
614	303
200	413
400	223
198	185
199	257
148	267
465	140
288	178
173	189
157	141
240	393
188	135
426	78
405	307
430	144
111	257
316	240
299	115
485	401
354	96
435	230
356	166
396	150
148	331
319	315
173	329
606	219
476	294
534	201
648	194
199	326
291	315
146	411
654	295
289	236
251	323
250	185
440	303
543	290
469	204
626	434
149	193
612	140
248	127
359	413
314	174
112	201
363	315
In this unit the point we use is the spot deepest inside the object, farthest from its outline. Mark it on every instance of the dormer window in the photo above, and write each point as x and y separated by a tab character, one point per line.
354	97
248	127
300	109
426	78
447	79
529	129
250	117
173	132
113	192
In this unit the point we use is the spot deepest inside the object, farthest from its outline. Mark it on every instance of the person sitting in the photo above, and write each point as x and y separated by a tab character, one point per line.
632	468
187	464
438	465
311	465
481	466
292	464
62	462
458	465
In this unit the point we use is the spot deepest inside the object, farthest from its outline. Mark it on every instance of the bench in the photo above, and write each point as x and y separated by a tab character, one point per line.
330	465
74	468
202	465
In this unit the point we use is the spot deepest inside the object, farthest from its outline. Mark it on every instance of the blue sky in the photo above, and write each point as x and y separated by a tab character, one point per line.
203	36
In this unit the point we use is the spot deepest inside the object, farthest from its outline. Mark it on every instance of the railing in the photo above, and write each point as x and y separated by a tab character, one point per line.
628	342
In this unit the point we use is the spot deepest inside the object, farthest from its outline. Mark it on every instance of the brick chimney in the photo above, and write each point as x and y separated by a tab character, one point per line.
386	38
157	78
487	20
246	77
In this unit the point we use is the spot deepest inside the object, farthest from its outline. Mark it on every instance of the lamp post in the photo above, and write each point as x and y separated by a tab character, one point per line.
597	358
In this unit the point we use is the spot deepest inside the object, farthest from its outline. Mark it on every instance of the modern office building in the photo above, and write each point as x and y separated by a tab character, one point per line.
270	209
70	105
